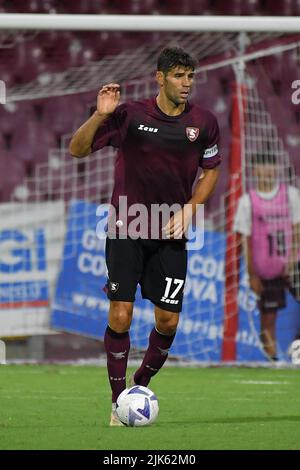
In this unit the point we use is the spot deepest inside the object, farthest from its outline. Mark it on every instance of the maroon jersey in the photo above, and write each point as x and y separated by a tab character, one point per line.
158	155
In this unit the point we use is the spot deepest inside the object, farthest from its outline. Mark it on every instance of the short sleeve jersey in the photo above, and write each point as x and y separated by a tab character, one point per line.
158	155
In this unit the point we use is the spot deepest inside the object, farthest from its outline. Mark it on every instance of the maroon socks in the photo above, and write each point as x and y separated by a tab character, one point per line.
155	357
117	347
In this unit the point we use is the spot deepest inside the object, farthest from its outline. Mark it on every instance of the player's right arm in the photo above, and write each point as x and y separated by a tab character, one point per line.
254	280
107	100
243	226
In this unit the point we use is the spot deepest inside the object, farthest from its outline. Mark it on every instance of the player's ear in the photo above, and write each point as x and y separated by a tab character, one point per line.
160	77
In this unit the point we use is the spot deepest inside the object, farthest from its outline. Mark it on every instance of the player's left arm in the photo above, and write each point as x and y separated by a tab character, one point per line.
205	186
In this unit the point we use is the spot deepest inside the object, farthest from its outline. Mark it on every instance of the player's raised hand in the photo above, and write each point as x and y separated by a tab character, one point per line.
108	98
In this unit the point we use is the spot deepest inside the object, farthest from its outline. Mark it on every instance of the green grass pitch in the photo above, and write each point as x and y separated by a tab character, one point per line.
67	407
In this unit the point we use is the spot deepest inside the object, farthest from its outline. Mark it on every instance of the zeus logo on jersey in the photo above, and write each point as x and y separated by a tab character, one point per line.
142	127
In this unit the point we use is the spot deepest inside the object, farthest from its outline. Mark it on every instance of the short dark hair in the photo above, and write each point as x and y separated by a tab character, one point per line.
263	159
171	57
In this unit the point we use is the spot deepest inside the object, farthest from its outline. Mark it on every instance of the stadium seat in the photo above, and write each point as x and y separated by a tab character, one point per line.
12	173
131	7
32	140
296	11
278	8
92	46
143	8
119	6
81	6
57	115
103	44
175	7
8	115
236	7
226	8
23	6
200	7
8	59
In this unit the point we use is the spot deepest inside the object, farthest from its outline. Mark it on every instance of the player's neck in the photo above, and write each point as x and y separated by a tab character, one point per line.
168	107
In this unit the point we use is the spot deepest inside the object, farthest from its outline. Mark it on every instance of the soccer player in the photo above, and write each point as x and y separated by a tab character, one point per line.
268	217
162	141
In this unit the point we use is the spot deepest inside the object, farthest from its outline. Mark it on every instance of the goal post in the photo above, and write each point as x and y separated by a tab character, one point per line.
205	23
232	254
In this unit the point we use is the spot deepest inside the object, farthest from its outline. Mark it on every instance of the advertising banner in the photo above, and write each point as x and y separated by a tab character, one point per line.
81	306
31	237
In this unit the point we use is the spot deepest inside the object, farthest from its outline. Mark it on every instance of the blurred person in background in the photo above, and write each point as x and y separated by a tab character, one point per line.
268	218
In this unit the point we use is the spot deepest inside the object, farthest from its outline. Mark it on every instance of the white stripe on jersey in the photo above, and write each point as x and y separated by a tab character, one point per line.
211	152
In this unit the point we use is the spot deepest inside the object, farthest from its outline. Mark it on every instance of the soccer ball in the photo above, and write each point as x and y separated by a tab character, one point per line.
294	352
137	406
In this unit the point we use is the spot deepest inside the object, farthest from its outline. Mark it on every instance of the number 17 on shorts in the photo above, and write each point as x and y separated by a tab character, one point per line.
173	288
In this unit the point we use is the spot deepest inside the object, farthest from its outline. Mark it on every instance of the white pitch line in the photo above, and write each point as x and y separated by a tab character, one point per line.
38	397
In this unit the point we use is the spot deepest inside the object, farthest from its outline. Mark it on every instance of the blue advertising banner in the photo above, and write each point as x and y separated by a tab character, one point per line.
23	253
81	305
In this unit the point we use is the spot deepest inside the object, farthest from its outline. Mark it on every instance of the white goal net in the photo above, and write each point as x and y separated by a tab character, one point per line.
52	264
